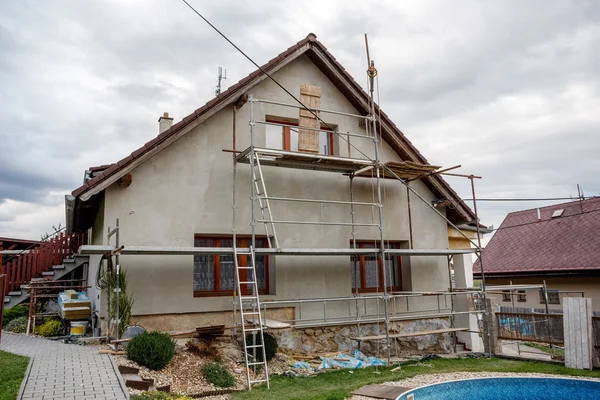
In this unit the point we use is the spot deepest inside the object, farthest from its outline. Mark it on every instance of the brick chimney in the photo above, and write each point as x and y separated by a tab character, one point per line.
164	123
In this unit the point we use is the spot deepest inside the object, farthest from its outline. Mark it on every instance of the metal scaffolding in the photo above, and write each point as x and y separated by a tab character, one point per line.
261	213
246	296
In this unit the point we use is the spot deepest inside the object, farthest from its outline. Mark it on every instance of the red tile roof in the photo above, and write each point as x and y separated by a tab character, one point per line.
460	212
524	245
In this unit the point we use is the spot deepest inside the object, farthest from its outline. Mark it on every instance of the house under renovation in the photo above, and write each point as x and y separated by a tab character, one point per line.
316	215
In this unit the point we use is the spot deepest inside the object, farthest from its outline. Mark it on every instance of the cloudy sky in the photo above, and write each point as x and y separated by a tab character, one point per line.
508	89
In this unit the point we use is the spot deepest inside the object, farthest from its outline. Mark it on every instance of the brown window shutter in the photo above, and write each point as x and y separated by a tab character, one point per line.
308	141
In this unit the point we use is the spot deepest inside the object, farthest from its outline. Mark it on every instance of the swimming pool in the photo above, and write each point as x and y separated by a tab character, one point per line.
508	389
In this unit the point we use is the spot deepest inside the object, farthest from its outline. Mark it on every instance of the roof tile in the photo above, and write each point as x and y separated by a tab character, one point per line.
125	161
523	243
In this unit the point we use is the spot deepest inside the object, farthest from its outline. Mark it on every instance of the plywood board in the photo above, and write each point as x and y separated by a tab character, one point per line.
577	323
308	140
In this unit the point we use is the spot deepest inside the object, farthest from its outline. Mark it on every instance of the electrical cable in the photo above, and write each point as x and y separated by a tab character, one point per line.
546	220
261	69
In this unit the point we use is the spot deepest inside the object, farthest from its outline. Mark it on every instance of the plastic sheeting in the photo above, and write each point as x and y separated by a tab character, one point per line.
357	360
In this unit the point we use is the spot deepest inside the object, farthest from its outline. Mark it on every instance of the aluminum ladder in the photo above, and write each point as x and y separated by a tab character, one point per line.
250	307
263	202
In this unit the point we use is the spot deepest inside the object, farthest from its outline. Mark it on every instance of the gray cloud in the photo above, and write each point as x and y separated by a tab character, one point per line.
509	89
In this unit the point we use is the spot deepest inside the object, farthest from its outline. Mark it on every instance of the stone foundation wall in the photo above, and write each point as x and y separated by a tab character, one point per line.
338	338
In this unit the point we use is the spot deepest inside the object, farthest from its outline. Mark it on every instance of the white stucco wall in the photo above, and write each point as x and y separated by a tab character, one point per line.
187	189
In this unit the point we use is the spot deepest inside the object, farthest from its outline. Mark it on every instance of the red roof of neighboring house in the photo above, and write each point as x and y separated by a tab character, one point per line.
16	244
318	53
569	243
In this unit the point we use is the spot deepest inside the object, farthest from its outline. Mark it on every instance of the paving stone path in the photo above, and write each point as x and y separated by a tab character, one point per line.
65	371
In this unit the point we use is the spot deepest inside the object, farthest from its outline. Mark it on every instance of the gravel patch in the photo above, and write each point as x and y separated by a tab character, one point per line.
428	379
184	372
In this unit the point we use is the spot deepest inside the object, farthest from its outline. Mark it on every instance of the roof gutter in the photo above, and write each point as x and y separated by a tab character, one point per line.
482	229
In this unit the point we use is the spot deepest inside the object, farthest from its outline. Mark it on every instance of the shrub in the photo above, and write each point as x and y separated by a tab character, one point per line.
270	346
9	314
153	350
218	375
52	327
17	325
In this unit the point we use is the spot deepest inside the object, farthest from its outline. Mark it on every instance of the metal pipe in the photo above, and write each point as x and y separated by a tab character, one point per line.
428	204
319	300
410	230
355	203
370	319
365	117
313	129
480	257
233	227
312	223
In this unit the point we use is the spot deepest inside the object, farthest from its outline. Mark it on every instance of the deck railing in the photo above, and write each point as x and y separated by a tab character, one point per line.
20	269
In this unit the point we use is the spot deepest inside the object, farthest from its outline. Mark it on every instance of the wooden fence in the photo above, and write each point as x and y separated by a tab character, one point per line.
531	327
596	332
22	268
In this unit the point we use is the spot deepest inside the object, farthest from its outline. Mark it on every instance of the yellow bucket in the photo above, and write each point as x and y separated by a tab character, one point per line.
78	328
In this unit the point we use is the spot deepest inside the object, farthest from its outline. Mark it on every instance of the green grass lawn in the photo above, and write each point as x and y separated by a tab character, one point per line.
12	372
337	385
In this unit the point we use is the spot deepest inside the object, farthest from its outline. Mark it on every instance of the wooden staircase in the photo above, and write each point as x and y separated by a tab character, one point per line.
52	260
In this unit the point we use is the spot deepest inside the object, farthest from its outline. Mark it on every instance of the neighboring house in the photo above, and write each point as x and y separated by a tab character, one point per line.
559	244
176	191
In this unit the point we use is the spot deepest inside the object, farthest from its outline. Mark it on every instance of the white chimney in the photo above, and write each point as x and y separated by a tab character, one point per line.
164	123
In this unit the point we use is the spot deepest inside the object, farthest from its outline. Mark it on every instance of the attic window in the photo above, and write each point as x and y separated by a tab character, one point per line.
558	213
284	136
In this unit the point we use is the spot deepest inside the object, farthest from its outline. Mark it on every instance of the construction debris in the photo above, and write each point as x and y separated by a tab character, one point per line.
134	381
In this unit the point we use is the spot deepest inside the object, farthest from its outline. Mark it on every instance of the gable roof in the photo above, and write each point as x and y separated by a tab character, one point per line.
327	63
569	243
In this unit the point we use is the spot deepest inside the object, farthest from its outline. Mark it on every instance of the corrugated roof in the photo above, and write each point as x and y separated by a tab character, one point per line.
524	244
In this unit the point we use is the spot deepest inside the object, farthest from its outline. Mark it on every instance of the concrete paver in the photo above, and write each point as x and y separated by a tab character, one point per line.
64	371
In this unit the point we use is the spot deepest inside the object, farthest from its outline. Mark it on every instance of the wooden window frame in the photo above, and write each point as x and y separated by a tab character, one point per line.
287	135
363	277
506	295
522	296
244	241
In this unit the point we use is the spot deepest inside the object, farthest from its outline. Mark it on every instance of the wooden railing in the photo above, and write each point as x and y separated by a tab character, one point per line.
22	268
530	327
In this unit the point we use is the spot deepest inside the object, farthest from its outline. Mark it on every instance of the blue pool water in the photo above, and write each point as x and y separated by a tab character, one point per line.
509	389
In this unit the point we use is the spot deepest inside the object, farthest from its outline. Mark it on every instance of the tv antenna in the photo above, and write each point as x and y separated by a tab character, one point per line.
222	77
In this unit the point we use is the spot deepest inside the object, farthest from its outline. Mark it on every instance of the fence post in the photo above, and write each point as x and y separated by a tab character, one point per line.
490	329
